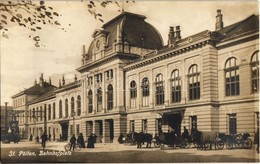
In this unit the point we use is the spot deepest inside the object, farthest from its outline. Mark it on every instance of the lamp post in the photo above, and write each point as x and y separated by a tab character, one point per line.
73	116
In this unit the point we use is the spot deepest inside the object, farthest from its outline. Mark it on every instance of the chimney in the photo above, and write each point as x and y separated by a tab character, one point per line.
83	50
75	78
63	80
35	82
6	117
171	36
50	80
219	20
178	33
83	54
41	82
59	83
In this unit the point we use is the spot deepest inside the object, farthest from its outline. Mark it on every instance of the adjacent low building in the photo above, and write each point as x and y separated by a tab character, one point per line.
131	81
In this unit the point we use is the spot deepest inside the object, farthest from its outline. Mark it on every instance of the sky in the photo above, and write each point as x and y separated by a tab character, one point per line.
22	62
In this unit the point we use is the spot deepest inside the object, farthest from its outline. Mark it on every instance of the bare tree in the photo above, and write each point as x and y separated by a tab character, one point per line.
33	15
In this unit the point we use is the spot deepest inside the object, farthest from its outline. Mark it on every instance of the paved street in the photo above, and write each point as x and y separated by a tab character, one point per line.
26	152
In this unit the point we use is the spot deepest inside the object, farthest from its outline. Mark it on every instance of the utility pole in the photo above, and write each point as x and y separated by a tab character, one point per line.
6	117
45	119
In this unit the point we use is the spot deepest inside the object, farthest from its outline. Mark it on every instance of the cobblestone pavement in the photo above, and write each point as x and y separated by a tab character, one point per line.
114	152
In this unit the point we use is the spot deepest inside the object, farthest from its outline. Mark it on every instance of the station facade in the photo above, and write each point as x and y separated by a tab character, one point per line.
131	81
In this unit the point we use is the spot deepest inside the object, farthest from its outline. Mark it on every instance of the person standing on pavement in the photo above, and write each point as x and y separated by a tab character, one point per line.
31	137
80	140
49	137
91	141
72	142
257	140
44	139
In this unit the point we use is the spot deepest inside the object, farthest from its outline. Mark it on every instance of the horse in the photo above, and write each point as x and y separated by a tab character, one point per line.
202	139
141	137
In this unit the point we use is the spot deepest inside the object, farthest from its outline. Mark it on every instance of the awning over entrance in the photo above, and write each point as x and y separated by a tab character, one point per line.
62	121
170	111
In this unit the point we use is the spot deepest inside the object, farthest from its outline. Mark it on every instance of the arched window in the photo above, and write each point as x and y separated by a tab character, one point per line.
30	115
33	114
194	82
232	77
60	109
66	108
99	100
133	94
37	114
53	113
175	86
90	101
79	105
72	105
49	111
159	92
109	97
145	92
40	113
255	72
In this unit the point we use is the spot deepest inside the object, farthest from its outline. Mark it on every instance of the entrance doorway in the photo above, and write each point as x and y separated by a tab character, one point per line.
99	130
111	130
64	131
174	122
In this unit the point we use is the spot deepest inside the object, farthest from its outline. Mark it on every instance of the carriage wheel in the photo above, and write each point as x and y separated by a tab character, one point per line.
238	145
185	144
77	147
67	147
229	145
248	143
220	144
162	146
156	144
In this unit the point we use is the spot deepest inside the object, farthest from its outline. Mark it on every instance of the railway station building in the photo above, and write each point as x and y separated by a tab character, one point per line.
132	81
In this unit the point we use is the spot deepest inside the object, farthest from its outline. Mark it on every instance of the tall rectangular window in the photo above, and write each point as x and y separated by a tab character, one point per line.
132	125
193	122
133	94
232	77
158	124
194	83
159	92
53	113
71	129
77	129
232	123
176	86
144	126
145	92
49	112
257	121
255	72
99	100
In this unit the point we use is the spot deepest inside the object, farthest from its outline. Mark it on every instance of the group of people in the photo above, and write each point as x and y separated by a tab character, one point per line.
80	140
37	139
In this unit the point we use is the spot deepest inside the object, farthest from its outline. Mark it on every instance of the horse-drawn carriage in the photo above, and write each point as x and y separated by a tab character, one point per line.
133	138
171	139
236	141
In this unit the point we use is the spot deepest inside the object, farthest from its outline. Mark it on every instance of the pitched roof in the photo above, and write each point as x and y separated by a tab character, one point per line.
248	25
37	89
46	96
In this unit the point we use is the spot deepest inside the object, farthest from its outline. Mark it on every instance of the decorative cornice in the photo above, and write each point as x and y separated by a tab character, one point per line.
68	87
97	63
169	52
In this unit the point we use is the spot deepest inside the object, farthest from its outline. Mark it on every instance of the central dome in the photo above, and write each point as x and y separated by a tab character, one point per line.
134	30
126	29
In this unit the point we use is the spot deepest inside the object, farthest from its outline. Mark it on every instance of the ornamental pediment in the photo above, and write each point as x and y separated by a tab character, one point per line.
98	32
